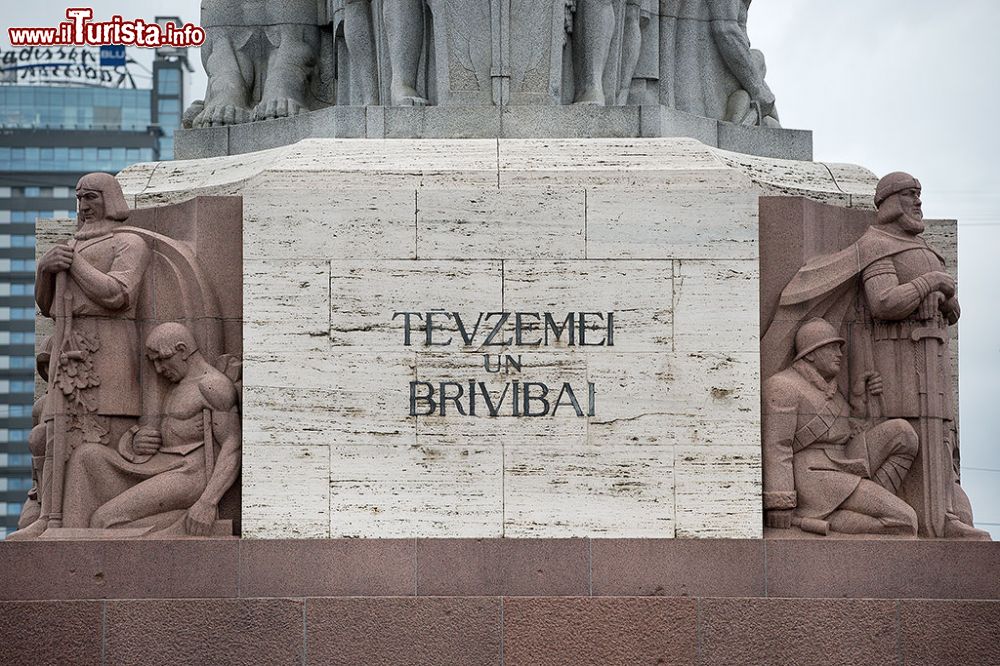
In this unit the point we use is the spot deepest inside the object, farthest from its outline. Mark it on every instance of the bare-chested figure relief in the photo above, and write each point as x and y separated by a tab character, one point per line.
138	432
268	61
169	475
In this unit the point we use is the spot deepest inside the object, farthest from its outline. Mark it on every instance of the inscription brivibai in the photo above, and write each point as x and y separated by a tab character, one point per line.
503	329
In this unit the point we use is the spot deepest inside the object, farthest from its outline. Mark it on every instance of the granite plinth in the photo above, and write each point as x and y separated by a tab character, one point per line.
497	122
538	601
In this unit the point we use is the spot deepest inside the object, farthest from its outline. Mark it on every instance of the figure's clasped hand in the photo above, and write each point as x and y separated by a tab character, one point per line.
874	384
942	282
57	259
147	441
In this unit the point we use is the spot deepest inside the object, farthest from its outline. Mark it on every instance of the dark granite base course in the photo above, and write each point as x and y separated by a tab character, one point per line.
496	601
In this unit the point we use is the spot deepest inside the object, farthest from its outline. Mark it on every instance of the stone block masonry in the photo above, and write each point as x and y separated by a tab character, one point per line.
341	235
500	601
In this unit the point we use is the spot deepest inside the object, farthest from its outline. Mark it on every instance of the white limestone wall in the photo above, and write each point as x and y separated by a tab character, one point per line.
340	234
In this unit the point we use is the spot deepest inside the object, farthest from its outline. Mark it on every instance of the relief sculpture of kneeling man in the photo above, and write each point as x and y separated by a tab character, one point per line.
823	469
171	478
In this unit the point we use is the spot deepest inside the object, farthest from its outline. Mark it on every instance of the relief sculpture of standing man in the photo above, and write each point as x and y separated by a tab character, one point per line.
90	287
912	301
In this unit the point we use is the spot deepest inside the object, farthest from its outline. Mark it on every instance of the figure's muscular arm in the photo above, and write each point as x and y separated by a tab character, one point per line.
734	46
780	418
116	289
890	301
219	395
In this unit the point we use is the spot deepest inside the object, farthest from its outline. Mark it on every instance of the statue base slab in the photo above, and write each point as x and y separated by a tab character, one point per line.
500	601
492	122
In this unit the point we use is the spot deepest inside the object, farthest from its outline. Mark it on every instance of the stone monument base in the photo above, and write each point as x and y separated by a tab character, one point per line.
500	601
493	122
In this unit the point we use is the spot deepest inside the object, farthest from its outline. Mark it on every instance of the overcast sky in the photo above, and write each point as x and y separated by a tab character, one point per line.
887	84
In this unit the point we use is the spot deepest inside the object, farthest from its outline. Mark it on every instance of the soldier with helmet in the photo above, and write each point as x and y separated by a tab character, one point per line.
825	464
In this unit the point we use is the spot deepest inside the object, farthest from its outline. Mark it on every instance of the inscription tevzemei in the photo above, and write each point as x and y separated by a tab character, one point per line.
526	398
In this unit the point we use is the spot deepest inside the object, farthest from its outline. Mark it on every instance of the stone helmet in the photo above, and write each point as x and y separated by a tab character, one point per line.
814	334
894	183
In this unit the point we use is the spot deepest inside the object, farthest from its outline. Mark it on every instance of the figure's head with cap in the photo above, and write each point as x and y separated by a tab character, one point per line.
99	198
818	343
897	198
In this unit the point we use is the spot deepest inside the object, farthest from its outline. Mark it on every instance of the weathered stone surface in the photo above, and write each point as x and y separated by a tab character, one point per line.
369	293
507	224
571	491
205	631
677	567
404	632
502	567
398	491
663	224
637	292
529	121
718	491
372	223
949	633
716	306
599	631
901	569
326	567
844	631
766	141
286	491
81	569
51	632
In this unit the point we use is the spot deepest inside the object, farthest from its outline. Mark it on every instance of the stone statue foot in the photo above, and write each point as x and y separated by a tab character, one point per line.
590	97
407	96
279	107
220	115
32	531
956	529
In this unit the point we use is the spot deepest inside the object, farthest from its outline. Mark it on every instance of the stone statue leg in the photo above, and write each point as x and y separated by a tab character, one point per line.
728	19
35	528
404	27
631	49
598	18
360	37
230	76
92	478
164	492
871	509
891	448
289	64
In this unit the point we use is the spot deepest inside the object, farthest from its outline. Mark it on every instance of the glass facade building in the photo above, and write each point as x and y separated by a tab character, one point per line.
49	137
